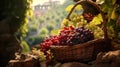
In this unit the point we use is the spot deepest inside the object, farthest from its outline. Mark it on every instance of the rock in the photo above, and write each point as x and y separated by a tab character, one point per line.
77	64
74	64
43	64
109	59
58	65
66	64
29	62
9	44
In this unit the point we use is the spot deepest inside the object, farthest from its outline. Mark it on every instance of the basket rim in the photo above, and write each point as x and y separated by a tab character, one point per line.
82	44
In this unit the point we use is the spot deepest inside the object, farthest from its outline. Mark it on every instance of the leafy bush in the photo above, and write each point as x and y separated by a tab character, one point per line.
43	31
25	47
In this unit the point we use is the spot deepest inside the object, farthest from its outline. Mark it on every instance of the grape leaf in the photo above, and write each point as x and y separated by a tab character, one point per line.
78	7
113	2
68	8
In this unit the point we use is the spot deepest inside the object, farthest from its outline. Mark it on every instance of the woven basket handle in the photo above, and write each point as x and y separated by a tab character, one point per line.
98	9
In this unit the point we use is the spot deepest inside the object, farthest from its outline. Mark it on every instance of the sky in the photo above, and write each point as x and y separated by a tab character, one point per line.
35	2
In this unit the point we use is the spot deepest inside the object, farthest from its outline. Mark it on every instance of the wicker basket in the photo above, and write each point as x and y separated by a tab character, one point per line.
86	51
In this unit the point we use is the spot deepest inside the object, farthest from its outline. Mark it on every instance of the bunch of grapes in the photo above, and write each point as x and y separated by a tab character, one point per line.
65	23
52	40
73	36
67	36
78	20
56	40
45	46
80	35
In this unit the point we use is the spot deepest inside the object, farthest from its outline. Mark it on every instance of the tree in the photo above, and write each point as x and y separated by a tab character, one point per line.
18	12
44	32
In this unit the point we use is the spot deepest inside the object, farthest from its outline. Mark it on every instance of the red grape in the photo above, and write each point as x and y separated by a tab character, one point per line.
68	36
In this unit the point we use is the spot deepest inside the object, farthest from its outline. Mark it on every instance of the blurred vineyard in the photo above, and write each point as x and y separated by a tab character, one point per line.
41	26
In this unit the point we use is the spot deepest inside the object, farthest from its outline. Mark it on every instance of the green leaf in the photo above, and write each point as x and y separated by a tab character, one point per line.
68	9
25	47
114	16
111	23
113	2
79	7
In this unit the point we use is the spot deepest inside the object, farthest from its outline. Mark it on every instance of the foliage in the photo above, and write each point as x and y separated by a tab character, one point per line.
44	31
111	8
25	47
68	9
50	26
18	12
38	39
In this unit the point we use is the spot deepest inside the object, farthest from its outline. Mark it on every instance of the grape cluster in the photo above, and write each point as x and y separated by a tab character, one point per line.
65	34
52	40
78	20
81	35
68	36
45	46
